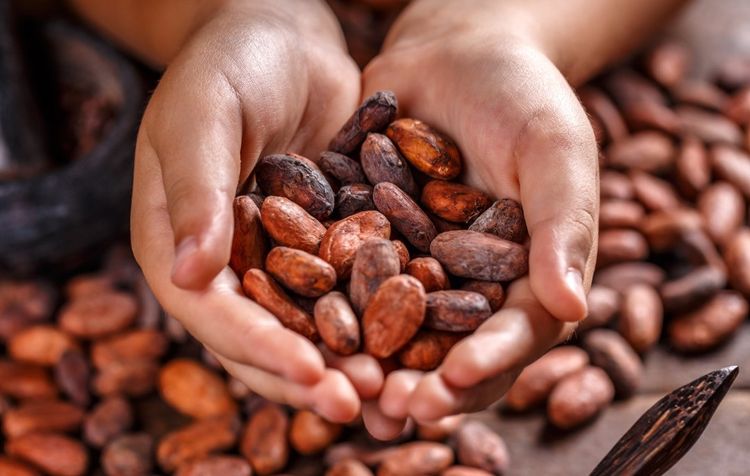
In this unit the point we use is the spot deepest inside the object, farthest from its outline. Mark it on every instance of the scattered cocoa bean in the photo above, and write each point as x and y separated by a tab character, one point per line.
129	455
354	198
195	390
41	345
403	253
215	465
654	193
603	304
579	397
72	374
615	185
193	441
692	289
109	419
23	381
100	315
737	257
464	471
668	63
480	447
133	378
618	245
700	93
649	151
13	467
311	434
132	345
723	209
264	440
41	416
710	325
620	214
419	457
732	165
608	350
708	126
598	104
348	467
692	166
641	316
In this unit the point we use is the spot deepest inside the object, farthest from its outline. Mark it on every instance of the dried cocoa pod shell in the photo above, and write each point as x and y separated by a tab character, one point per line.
194	441
134	378
537	380
649	151
441	429
429	272
654	193
348	467
620	214
261	288
504	219
95	316
692	289
393	316
337	324
376	260
732	165
264	442
603	303
342	239
298	179
493	291
427	349
579	397
615	185
72	374
618	245
737	107
666	229
382	162
723	209
700	93
310	434
641	316
374	114
194	390
608	350
479	446
710	325
109	419
301	272
223	465
464	471
476	255
668	63
23	381
419	457
598	104
692	166
345	170
129	455
405	215
13	467
290	225
41	345
456	310
426	149
354	198
708	126
137	344
41	416
248	242
453	201
53	453
737	257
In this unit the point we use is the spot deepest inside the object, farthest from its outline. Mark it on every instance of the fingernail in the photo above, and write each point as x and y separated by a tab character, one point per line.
574	280
183	252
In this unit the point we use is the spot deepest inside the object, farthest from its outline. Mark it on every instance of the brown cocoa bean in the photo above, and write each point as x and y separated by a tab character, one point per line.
194	441
133	345
654	193
55	454
615	185
405	215
620	214
618	245
493	291
737	107
504	219
375	261
628	87
429	272
215	465
22	381
374	114
419	457
454	202
710	325
109	419
23	303
668	63
354	198
129	455
608	350
345	170
732	165
41	416
641	317
537	380
301	272
95	316
290	225
342	239
692	167
708	126
456	310
441	429
700	93
261	288
475	255
195	390
692	289
443	225
667	229
310	434
132	377
41	345
425	148
479	446
337	324
348	467
428	349
464	471
13	467
88	284
382	162
403	253
264	442
248	242
298	179
645	115
393	316
737	257
600	106
723	209
603	304
72	374
649	151
579	397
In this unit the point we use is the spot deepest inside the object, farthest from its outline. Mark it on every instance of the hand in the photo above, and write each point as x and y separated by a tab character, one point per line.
258	77
524	135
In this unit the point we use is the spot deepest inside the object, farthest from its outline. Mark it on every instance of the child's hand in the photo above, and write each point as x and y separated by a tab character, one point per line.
258	77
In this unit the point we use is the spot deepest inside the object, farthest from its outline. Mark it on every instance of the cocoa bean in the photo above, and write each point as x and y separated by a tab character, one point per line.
480	447
603	304
428	349
692	289
264	441
737	257
109	419
55	454
426	149
475	255
195	390
132	377
374	114
193	441
737	107
95	316
405	215
72	374
24	303
579	397
723	209
615	185
618	245
654	193
382	162
649	151
129	455
337	324
13	467
22	381
628	88
342	239
290	225
600	106
345	170
641	317
375	261
464	471
456	310
354	198
88	284
608	350
732	165
301	272
708	126
668	63
620	214
215	465
348	467
645	115
403	253
666	230
248	242
429	272
41	416
133	345
710	325
419	457
692	167
700	93
454	201
41	345
311	434
504	219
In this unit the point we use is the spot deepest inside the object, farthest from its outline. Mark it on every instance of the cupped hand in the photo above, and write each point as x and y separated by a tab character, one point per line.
258	77
482	78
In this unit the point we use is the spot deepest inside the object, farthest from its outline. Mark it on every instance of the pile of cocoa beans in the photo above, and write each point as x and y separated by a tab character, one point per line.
341	233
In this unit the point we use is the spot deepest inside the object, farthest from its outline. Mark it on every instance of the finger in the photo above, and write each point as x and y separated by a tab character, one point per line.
399	385
362	370
378	425
517	334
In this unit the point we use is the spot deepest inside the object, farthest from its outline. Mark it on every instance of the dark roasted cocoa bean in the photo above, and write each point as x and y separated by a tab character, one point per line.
108	420
374	114
603	304
692	289
345	170
72	374
692	167
354	198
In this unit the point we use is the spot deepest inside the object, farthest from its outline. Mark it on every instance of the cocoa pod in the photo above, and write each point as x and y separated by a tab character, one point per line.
708	126
429	272
456	310
393	316
194	390
133	345
22	381
641	316
41	345
264	442
382	162
620	214
345	170
454	202
405	215
710	325
579	397
55	454
72	374
504	219
654	193
426	149
348	467
298	179
600	106
427	349
700	93
480	447
608	350
337	324
41	416
248	242
419	457
403	253
310	434
342	239
301	272
215	465
692	289
737	257
194	441
737	107
290	225
615	185
261	288
649	151
668	63
109	419
475	255
732	165
375	261
692	167
133	377
464	471
95	316
13	467
665	230
537	380
441	429
129	455
374	114
603	303
618	245
723	209
354	198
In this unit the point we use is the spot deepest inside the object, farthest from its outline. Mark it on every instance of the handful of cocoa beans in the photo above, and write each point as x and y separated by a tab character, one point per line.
378	250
